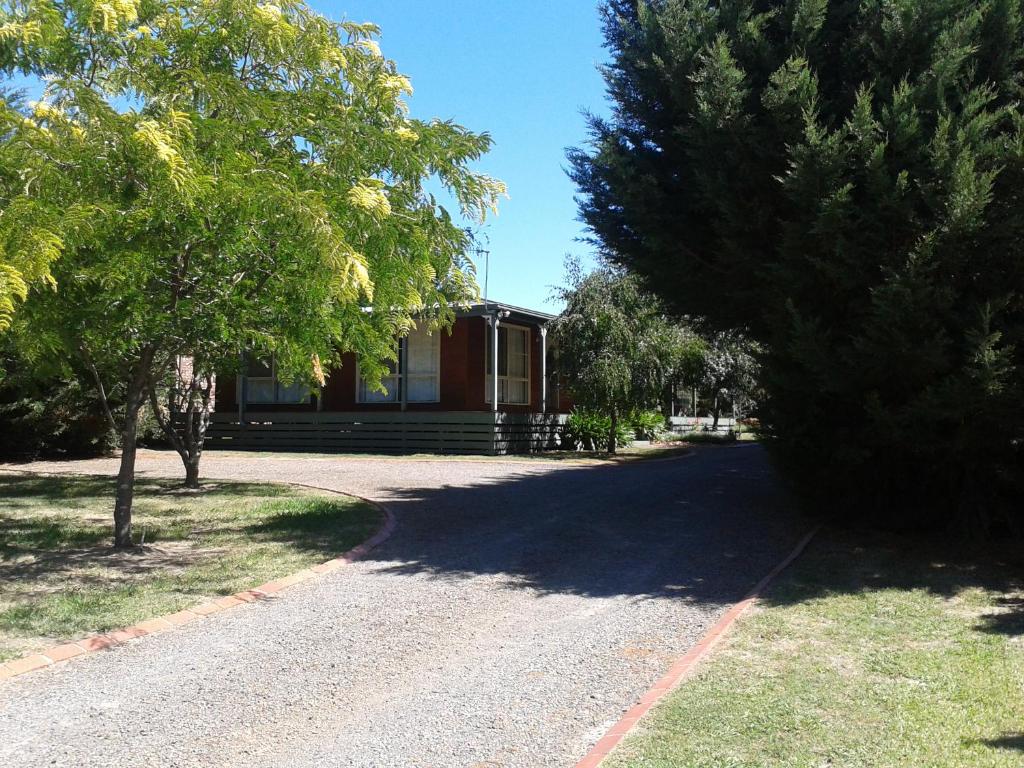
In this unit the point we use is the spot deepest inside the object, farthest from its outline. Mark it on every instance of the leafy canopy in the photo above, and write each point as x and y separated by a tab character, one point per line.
843	180
224	174
725	368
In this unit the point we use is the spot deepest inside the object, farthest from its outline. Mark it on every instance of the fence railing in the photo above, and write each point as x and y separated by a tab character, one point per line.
390	432
703	423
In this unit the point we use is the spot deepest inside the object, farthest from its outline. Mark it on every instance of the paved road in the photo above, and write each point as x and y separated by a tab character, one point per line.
518	610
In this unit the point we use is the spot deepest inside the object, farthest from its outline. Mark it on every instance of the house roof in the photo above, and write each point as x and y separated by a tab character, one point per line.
488	307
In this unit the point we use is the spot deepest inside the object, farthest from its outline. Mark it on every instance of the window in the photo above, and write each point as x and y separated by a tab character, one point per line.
423	358
262	387
513	365
421	374
391	382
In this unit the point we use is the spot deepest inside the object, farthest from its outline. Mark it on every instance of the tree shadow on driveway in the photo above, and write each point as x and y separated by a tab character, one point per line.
704	528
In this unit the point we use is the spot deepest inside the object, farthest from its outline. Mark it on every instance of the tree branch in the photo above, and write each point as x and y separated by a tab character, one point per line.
87	359
164	419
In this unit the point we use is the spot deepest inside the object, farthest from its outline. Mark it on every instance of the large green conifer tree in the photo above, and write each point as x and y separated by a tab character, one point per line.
844	180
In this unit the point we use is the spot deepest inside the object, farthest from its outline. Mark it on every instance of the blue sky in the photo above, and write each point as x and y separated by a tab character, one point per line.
522	71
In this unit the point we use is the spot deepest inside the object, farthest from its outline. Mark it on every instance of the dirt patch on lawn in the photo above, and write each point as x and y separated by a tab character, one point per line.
30	577
63	570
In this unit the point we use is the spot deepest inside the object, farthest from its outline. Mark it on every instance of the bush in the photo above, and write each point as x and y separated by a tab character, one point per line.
48	410
588	430
647	425
52	418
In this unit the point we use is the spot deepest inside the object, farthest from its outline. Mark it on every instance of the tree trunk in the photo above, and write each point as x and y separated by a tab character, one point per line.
613	433
191	449
190	401
126	473
192	473
134	399
717	411
125	483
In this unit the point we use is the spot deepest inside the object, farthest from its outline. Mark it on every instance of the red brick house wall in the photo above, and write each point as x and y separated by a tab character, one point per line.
461	382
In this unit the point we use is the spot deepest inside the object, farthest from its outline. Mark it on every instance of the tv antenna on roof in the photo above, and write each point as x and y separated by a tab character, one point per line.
487	274
487	267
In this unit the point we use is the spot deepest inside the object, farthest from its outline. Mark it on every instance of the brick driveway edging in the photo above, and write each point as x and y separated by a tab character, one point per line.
100	642
684	666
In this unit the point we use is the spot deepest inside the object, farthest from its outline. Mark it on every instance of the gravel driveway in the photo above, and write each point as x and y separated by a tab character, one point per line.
518	610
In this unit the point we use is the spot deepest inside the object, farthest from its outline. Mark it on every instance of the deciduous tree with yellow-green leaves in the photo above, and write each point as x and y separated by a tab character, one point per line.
207	177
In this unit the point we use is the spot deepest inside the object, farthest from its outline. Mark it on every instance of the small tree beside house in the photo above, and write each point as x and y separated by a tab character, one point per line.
616	346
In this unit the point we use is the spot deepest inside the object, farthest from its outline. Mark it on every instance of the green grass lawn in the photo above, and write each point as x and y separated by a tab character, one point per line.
711	437
870	652
60	579
645	452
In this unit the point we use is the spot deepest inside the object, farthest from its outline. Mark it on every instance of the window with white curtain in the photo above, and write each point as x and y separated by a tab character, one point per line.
423	359
262	386
421	376
513	365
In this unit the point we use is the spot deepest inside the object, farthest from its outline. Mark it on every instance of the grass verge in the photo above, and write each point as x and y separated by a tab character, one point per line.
711	437
645	452
870	652
60	579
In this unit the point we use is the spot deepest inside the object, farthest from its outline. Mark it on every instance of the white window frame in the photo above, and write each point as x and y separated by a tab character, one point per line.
401	375
488	365
275	383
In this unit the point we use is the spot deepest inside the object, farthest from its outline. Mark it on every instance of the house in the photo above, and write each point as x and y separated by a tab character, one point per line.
446	393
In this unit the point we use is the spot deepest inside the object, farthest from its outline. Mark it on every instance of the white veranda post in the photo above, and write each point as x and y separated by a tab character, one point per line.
543	369
494	362
403	368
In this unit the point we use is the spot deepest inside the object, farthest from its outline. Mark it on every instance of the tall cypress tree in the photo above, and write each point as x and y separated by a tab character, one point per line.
843	179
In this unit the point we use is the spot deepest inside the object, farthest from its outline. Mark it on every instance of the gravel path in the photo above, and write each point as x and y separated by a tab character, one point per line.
519	610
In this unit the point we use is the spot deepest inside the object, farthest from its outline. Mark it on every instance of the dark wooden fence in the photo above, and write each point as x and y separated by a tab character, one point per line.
390	432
